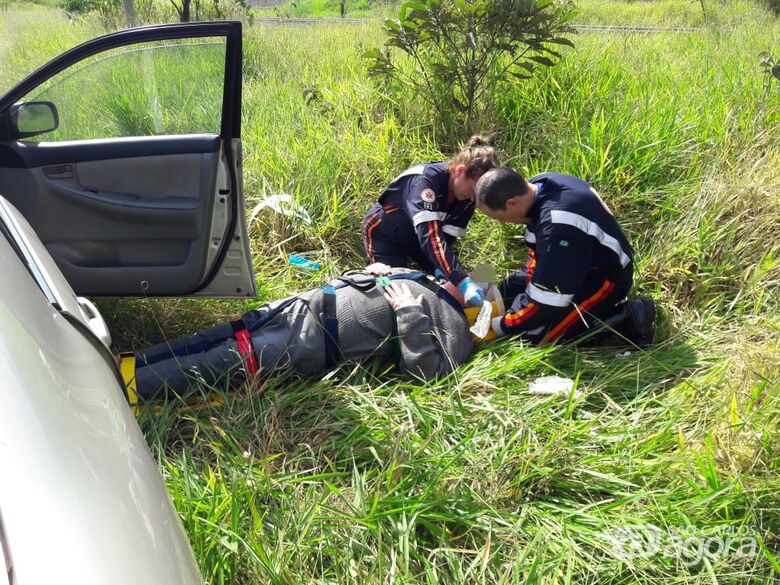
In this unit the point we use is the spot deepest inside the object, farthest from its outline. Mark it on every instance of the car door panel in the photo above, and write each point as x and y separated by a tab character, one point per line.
110	241
150	215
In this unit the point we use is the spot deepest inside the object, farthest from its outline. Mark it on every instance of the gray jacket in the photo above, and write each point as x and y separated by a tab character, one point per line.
431	339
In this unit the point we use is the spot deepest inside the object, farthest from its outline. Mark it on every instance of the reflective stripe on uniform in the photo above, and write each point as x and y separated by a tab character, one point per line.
453	230
371	224
515	319
547	297
530	266
438	248
247	353
415	170
606	289
592	229
424	216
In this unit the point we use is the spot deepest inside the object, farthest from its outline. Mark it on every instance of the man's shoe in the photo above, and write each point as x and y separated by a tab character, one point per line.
641	322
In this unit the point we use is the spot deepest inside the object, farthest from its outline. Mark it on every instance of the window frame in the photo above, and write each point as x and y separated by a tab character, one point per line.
230	123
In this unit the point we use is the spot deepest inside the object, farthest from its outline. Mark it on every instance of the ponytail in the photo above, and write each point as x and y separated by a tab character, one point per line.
477	155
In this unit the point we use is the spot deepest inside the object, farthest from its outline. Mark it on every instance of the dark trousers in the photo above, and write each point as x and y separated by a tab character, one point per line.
593	303
212	358
389	237
209	358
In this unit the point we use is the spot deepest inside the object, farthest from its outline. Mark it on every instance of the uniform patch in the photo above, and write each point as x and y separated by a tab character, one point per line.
429	207
563	243
428	196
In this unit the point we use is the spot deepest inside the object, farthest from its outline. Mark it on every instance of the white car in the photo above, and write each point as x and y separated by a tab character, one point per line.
108	189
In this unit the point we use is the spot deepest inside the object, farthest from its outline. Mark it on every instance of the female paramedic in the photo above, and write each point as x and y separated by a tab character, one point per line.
421	213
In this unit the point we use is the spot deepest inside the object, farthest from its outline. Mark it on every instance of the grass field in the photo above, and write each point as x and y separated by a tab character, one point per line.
362	478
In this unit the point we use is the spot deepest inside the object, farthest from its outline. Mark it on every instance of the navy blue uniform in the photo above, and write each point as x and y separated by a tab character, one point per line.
414	220
580	263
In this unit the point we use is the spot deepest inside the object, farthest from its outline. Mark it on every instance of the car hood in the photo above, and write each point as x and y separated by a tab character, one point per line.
81	499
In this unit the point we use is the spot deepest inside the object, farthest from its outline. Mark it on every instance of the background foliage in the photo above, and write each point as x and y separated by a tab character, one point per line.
360	477
458	52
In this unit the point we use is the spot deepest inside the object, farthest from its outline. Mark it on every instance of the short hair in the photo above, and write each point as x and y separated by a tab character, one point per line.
499	185
478	155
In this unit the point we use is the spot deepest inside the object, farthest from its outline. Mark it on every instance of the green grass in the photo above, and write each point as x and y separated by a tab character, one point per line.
663	13
669	13
361	477
181	92
353	9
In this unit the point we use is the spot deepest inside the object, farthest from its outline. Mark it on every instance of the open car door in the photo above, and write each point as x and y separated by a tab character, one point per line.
124	154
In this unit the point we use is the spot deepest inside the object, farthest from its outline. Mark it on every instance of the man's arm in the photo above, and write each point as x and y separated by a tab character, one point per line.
421	356
562	261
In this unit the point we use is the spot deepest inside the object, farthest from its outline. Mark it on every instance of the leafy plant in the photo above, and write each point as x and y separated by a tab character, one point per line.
461	49
771	69
84	6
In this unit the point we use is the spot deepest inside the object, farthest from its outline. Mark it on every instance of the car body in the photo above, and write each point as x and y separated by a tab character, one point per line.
136	212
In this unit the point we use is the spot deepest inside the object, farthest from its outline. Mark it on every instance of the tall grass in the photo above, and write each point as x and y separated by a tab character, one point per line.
670	13
361	477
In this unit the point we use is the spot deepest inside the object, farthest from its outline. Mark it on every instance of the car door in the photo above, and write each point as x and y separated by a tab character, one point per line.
124	154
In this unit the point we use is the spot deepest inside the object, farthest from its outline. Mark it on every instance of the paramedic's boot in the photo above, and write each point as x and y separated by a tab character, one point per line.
641	322
632	321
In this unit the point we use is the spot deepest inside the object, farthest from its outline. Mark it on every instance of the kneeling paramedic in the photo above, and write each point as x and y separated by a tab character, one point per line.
395	314
580	264
424	210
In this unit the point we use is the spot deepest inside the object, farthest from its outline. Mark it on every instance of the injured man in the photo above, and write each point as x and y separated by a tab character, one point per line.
398	315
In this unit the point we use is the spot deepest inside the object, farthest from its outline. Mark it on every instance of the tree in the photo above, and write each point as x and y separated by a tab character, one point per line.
460	50
182	8
129	13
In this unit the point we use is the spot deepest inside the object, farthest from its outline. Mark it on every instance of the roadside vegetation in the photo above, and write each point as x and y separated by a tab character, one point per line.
362	478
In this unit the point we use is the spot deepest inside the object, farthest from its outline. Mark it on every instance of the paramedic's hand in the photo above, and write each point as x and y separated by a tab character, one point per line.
378	269
399	296
472	293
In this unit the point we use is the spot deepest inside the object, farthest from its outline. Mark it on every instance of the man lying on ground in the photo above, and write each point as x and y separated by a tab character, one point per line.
394	314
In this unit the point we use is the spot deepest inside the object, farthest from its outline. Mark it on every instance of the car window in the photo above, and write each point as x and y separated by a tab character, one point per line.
157	88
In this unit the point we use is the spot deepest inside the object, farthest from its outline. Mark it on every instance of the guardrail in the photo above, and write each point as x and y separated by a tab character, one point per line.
600	28
634	29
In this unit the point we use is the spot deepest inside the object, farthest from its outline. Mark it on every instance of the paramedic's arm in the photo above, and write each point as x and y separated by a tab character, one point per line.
421	357
427	219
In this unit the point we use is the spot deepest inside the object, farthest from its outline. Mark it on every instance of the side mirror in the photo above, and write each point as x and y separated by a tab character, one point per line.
33	118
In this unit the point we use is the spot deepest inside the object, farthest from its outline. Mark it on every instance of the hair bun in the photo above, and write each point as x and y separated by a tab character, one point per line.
478	140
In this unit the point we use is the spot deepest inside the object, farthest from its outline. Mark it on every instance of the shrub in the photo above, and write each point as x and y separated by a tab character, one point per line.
459	50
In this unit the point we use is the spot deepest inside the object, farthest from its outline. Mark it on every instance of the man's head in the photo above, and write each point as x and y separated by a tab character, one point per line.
504	195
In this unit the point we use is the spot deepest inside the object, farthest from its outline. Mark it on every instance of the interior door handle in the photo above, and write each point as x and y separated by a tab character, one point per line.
59	172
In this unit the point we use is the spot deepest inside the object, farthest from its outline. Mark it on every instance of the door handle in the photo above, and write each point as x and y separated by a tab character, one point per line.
95	320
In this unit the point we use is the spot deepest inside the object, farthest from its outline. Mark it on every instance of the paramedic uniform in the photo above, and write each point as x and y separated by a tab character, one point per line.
580	264
413	220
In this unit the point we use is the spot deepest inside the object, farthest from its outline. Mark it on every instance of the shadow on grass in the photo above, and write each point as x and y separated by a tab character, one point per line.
620	372
287	417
